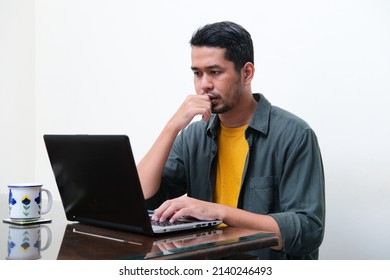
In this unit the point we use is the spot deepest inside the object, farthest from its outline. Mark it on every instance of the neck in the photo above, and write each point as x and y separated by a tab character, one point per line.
241	115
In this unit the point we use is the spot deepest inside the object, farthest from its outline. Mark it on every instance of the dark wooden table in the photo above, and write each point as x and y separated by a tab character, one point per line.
73	241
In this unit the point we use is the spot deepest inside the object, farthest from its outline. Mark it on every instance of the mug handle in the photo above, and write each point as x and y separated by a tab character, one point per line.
48	242
49	202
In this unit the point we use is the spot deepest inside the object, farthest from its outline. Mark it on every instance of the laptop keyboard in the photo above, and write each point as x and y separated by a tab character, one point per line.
167	223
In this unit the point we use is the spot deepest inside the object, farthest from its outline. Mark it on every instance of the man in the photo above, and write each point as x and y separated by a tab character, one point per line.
246	162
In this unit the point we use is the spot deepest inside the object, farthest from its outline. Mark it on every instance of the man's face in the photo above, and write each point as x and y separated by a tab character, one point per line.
216	77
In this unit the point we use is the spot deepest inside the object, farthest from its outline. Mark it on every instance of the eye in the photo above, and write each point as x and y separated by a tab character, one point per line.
197	73
215	72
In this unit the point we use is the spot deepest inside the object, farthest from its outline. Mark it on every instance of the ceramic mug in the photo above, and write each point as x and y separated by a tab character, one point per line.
25	202
24	242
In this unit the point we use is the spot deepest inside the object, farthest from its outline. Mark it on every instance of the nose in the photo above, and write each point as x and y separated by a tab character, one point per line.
206	84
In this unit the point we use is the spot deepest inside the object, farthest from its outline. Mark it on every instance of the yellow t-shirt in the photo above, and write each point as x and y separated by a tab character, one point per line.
232	152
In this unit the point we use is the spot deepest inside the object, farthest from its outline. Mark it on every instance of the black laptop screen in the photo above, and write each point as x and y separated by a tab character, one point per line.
97	179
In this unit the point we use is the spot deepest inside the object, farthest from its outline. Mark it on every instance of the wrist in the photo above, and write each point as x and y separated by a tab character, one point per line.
221	211
171	128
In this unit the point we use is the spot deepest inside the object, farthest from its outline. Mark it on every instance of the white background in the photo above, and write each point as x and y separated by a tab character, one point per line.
123	66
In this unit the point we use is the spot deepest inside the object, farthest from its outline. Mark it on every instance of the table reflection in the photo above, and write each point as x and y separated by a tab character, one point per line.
88	242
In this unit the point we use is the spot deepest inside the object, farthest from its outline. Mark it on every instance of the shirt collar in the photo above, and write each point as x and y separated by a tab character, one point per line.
259	121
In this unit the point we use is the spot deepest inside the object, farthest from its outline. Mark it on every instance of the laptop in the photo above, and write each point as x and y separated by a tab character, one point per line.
98	183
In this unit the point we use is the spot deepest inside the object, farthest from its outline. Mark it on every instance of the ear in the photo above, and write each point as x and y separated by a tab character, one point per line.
247	72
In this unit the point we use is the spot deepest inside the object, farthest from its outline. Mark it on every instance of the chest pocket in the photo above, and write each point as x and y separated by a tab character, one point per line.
260	195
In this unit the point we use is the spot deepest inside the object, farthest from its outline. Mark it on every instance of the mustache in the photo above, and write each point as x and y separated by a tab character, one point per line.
211	95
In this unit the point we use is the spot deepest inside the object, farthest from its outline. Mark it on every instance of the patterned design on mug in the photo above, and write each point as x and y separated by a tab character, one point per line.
26	200
26	242
11	244
38	201
11	201
38	243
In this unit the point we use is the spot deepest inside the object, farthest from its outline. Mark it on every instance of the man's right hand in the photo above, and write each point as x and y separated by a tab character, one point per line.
192	106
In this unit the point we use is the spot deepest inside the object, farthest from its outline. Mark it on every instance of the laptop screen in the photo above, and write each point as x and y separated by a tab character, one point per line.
98	181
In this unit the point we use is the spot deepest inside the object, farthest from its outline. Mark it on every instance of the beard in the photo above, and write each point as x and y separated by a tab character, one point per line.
221	109
222	105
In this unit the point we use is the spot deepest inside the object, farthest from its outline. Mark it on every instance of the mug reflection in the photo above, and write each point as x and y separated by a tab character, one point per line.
25	242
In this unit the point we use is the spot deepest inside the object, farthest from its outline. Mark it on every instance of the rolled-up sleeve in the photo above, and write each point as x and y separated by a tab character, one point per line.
302	198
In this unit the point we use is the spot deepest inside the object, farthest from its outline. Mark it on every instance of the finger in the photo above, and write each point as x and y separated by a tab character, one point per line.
206	111
206	116
179	214
169	211
160	210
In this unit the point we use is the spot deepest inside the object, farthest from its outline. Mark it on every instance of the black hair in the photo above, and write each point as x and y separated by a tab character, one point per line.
227	35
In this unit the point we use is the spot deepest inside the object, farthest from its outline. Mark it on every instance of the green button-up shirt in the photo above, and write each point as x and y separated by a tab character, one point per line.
283	175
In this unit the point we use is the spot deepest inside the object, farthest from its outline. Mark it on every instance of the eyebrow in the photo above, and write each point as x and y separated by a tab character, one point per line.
216	66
